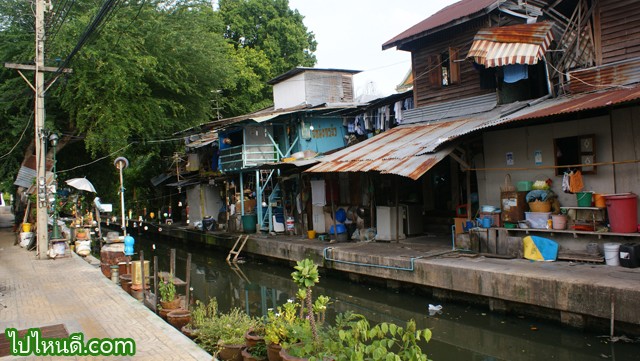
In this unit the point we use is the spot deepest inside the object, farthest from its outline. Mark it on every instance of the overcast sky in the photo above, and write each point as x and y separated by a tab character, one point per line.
350	34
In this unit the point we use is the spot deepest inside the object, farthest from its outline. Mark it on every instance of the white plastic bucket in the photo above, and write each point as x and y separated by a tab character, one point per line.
25	239
611	251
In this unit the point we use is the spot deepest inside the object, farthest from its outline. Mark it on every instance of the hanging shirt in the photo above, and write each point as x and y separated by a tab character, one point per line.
515	72
397	108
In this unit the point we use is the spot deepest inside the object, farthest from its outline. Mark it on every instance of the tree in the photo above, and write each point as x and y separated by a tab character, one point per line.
153	68
269	39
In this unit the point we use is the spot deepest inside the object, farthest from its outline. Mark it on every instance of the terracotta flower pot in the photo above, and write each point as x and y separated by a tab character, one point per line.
171	305
189	332
246	356
230	352
286	357
273	352
251	339
163	312
179	318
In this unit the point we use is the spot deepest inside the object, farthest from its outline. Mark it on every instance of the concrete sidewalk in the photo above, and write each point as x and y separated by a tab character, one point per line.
69	291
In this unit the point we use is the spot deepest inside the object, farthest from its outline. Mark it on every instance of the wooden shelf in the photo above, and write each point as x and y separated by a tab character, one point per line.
584	208
568	231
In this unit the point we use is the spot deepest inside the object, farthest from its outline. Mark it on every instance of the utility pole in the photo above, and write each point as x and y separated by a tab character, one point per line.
39	131
40	138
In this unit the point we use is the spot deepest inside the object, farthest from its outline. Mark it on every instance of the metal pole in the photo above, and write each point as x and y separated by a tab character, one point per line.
121	163
42	217
124	225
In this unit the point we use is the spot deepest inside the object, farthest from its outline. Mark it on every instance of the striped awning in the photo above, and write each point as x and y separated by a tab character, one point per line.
516	44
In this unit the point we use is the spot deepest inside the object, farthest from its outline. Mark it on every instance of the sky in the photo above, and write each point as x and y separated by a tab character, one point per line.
350	34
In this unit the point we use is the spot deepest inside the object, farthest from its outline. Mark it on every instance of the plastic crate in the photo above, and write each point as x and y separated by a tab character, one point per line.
537	219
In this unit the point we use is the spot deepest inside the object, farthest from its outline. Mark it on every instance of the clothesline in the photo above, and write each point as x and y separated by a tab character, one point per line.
557	166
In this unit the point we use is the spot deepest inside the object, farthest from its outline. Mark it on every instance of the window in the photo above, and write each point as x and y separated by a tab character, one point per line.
443	69
572	151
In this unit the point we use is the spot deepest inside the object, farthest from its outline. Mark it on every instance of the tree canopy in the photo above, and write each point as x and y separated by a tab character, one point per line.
151	69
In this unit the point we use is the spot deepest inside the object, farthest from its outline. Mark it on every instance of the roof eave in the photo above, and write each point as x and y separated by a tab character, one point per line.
403	41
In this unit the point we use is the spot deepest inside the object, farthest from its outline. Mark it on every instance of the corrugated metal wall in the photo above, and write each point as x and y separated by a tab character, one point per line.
620	24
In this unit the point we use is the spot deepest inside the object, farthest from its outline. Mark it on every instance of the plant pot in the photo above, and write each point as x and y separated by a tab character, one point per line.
189	332
286	357
171	305
273	352
251	339
230	352
163	312
246	356
179	318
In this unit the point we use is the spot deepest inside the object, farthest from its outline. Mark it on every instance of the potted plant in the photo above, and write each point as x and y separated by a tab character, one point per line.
199	314
255	335
223	335
278	327
169	299
255	353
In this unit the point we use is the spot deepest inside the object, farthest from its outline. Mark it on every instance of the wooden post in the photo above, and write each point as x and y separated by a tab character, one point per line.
613	315
172	263
155	284
397	212
188	275
333	209
144	286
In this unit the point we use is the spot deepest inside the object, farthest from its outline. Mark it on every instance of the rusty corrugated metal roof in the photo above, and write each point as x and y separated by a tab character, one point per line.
411	150
620	73
578	103
408	150
515	44
462	10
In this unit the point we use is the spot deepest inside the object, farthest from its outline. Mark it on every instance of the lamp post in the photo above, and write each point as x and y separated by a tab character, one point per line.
55	232
121	163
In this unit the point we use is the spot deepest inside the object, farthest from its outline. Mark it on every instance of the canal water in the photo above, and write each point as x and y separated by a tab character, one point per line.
460	332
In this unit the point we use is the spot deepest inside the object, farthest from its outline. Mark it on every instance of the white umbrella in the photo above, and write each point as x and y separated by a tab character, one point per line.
82	184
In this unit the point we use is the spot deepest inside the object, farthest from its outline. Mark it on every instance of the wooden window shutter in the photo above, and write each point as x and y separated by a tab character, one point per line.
435	72
454	67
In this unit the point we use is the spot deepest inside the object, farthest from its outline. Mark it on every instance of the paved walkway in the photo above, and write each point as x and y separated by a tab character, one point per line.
69	291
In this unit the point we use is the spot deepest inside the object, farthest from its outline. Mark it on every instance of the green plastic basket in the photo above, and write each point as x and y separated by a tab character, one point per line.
524	186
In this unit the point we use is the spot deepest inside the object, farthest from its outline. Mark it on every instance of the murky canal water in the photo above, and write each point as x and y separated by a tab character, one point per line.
460	332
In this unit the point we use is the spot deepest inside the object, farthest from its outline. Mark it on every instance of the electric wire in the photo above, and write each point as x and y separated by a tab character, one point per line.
27	123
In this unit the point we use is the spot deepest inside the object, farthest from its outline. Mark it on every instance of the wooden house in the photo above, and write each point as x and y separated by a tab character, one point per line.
525	89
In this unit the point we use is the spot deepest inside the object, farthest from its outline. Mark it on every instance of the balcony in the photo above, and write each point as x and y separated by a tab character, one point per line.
247	156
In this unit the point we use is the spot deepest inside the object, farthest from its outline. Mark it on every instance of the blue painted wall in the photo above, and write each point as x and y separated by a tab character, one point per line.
327	134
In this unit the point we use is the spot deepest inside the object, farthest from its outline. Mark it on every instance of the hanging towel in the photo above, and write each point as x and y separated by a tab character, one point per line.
515	72
566	187
575	182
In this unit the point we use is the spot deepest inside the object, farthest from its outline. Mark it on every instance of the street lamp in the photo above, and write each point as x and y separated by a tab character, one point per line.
55	232
121	163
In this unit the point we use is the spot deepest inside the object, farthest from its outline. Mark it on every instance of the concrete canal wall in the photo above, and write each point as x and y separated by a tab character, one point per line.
579	295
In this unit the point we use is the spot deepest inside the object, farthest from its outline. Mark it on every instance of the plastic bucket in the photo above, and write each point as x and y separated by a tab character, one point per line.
623	212
311	234
584	199
559	221
249	223
599	200
611	254
26	227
